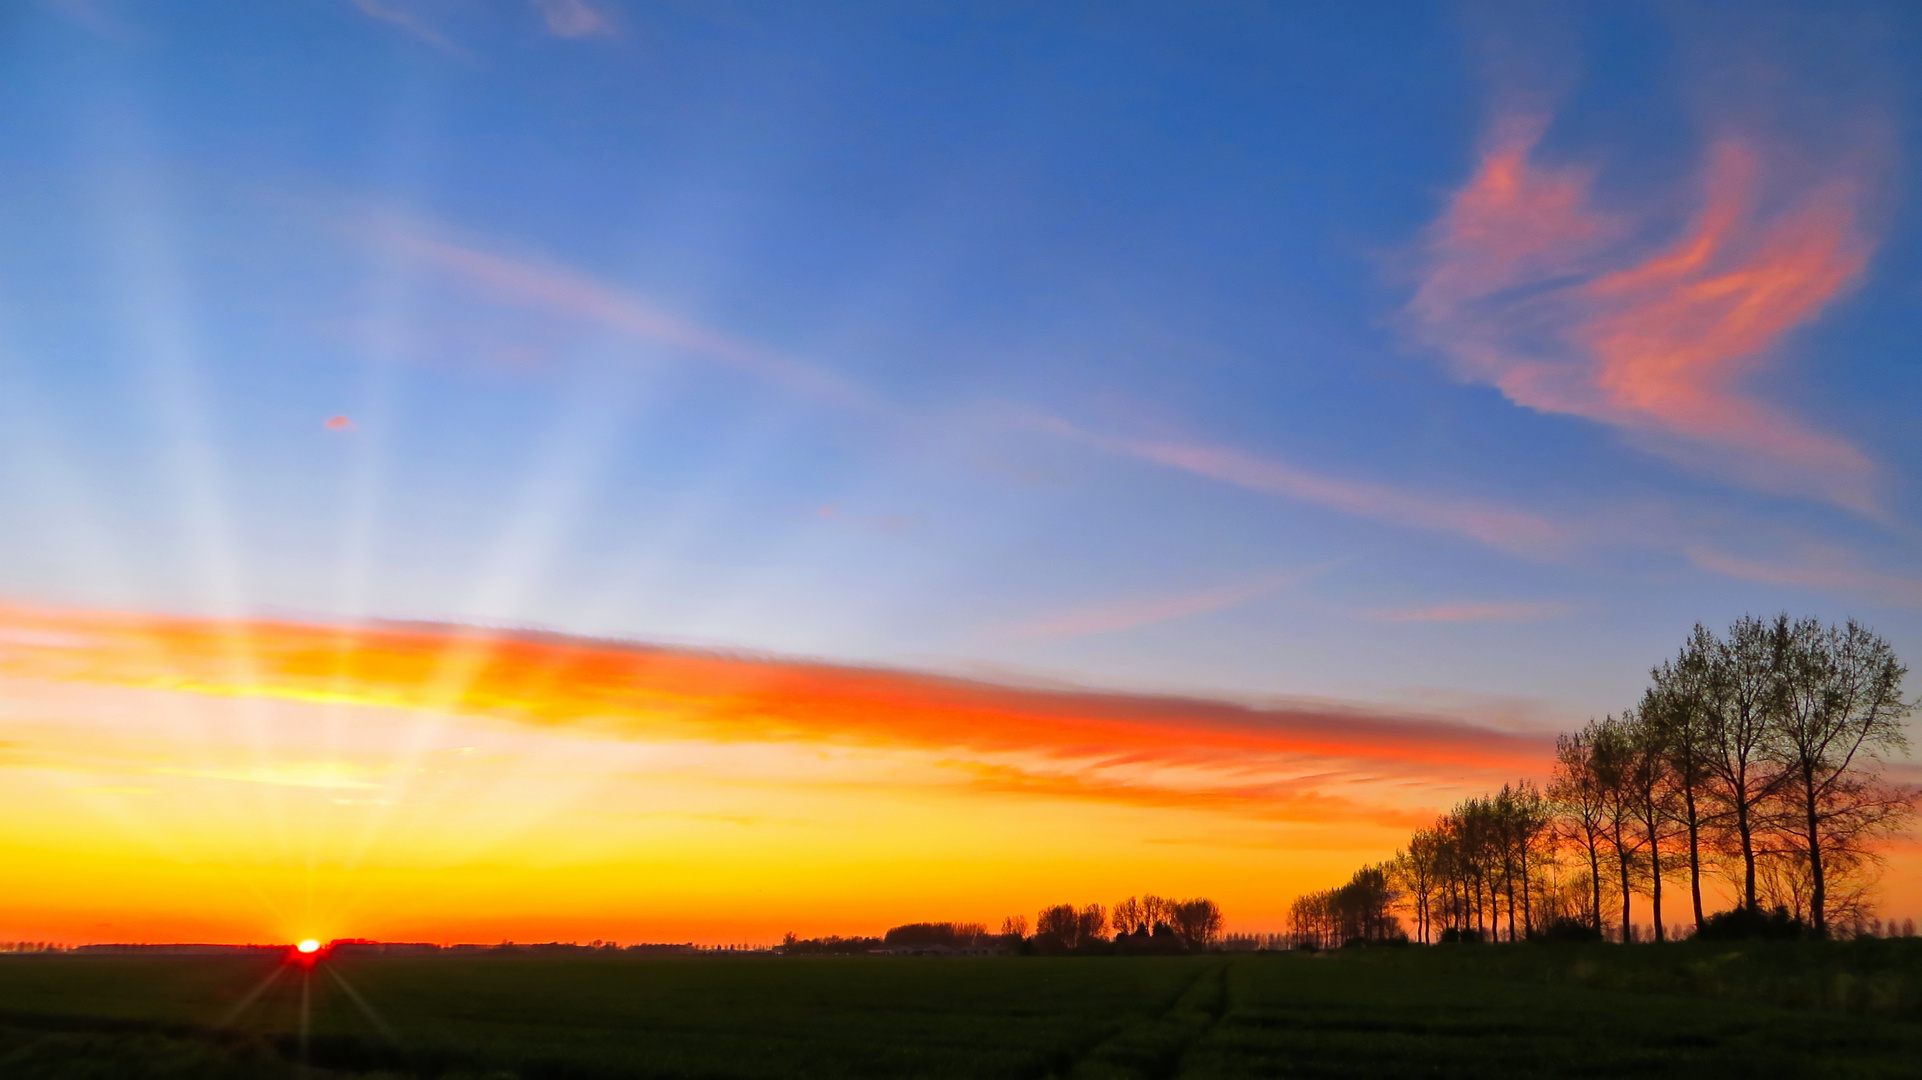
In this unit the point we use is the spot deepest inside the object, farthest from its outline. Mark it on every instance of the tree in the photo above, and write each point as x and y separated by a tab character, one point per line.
1646	773
1060	921
1615	762
1736	690
1197	922
1582	810
1675	706
1416	870
1838	708
1526	818
1762	745
1091	923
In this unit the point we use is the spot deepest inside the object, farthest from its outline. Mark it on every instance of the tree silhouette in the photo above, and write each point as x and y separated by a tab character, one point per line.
1839	705
1759	747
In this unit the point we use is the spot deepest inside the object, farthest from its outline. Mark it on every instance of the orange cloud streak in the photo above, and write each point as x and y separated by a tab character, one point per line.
651	692
1527	289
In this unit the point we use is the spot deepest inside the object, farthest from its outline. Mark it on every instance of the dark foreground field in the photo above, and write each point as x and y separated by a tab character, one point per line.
1777	1010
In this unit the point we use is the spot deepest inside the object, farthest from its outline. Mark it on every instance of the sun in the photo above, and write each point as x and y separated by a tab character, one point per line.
309	946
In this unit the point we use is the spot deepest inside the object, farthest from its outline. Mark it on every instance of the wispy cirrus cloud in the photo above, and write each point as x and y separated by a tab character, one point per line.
1504	527
574	18
407	17
571	294
1146	611
1530	288
1493	611
423	19
1822	569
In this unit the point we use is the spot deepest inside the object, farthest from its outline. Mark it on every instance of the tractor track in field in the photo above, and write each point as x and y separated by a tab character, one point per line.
1154	1049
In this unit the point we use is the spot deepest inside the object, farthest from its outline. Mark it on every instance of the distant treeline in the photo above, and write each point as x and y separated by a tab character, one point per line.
1751	757
1137	925
369	947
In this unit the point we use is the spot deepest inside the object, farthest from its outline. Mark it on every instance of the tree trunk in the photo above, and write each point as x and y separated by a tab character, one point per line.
1528	909
1655	874
1819	894
1511	905
1621	855
1482	914
1694	853
1595	880
1747	835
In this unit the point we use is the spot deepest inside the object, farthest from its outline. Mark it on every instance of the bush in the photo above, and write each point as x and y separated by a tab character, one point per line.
1566	930
1461	935
1744	923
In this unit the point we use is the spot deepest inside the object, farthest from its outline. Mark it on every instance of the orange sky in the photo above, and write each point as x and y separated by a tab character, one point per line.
174	778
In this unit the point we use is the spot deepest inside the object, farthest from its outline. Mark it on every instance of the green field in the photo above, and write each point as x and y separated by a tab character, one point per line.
1775	1010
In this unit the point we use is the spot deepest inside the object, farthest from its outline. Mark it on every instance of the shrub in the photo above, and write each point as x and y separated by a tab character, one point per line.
1566	929
1747	922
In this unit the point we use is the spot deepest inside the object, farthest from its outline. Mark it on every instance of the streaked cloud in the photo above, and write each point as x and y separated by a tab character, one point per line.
423	19
1494	611
560	291
573	18
1508	528
407	17
1822	569
634	691
1282	801
1564	308
1147	611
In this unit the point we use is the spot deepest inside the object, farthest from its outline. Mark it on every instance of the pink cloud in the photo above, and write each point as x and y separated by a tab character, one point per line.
1821	569
1531	289
1482	612
573	18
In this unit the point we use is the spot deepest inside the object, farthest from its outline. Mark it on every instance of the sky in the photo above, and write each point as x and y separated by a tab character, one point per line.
658	471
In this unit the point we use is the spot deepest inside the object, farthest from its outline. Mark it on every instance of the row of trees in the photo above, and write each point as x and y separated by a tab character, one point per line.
1362	910
1138	924
1180	924
1752	757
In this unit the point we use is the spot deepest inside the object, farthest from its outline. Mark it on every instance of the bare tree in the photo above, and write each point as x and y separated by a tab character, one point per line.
1736	691
1838	709
1417	871
1061	921
1582	808
1647	773
1091	923
1531	820
1763	744
1614	763
1197	922
1675	705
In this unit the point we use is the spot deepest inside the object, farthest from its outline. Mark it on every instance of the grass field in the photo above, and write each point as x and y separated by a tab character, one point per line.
1776	1010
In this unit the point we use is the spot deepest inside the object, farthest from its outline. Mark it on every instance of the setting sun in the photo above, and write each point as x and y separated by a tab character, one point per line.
309	946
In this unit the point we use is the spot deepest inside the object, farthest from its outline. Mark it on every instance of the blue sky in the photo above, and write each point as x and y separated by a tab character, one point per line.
1127	346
